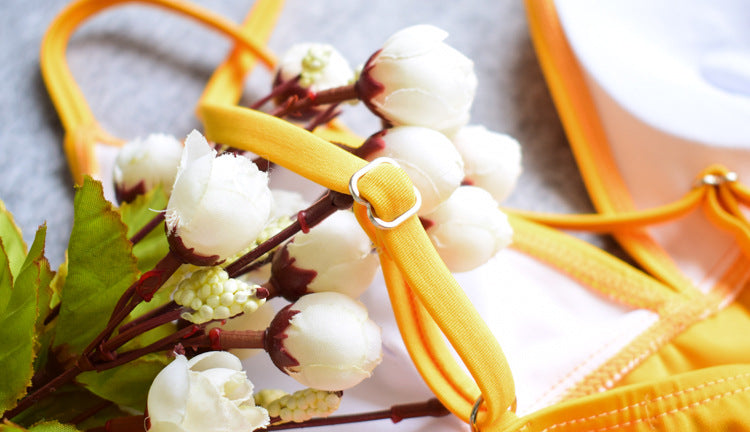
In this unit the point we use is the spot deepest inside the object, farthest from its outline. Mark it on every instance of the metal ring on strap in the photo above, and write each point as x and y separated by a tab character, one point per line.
475	412
716	179
380	223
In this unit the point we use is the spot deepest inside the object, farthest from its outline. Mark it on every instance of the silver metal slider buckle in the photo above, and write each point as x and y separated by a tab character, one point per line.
380	223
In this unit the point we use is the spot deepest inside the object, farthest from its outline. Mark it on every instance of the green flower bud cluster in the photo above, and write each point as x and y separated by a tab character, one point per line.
300	406
313	63
212	295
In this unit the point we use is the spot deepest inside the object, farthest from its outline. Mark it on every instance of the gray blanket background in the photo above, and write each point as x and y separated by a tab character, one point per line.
142	71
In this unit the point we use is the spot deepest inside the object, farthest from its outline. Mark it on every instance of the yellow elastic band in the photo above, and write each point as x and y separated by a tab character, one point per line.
226	83
390	192
81	127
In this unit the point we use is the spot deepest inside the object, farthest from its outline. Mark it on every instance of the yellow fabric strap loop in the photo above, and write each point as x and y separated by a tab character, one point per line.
226	83
81	127
618	222
417	264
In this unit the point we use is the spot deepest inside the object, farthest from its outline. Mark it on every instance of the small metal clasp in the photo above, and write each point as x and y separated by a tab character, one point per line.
475	412
380	223
717	179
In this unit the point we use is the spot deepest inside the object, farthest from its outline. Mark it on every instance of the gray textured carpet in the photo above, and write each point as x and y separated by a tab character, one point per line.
142	71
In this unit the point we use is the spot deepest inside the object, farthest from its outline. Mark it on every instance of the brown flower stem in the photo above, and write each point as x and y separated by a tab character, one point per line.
50	387
126	336
258	264
143	232
53	313
276	91
141	290
308	218
220	340
324	117
80	418
323	97
166	307
160	345
122	424
429	408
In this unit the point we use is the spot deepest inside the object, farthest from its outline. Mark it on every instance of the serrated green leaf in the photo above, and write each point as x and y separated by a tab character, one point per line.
6	279
100	268
10	427
18	325
136	215
36	271
67	403
126	385
12	238
150	250
52	426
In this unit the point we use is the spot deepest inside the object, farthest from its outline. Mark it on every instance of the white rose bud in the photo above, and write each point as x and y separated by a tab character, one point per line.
208	393
325	341
219	205
468	229
492	160
428	157
335	255
320	66
144	164
416	79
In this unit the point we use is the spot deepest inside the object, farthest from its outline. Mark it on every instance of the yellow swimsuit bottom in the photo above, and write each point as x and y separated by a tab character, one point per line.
678	364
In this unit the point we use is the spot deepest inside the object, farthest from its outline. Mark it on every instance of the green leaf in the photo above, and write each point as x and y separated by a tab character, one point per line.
150	250
36	275
126	385
10	427
100	268
136	215
18	324
52	426
6	278
12	239
67	403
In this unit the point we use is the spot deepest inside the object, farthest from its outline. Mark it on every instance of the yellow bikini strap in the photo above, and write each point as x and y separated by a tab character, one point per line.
406	250
716	190
226	83
82	131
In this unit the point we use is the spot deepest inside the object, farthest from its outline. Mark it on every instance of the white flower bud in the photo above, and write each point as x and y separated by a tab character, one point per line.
492	160
213	296
325	341
335	255
304	405
428	157
208	393
143	164
218	206
320	66
468	229
416	79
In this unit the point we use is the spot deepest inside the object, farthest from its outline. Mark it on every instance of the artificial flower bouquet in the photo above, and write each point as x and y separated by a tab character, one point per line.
164	293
